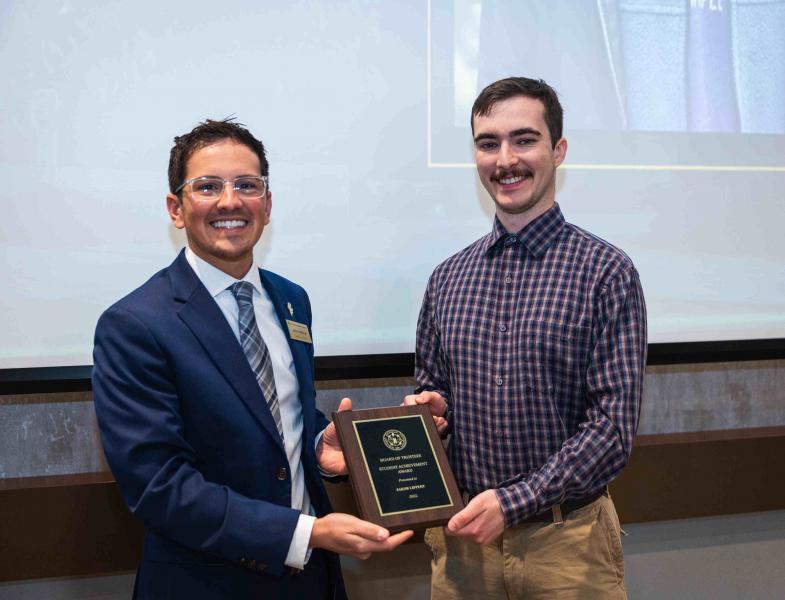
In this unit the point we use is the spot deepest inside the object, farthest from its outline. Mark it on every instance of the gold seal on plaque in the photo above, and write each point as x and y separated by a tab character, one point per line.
394	440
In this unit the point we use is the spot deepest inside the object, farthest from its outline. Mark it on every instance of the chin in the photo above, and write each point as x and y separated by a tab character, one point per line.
235	255
516	207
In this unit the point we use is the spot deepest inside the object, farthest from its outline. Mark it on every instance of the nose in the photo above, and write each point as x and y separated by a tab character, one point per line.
506	157
228	197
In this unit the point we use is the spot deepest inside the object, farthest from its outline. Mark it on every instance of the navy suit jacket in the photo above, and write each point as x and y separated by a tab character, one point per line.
190	440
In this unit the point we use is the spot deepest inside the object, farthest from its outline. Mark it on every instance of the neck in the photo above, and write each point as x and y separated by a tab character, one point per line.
236	270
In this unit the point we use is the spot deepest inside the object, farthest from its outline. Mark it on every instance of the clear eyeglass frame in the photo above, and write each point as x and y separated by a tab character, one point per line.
209	189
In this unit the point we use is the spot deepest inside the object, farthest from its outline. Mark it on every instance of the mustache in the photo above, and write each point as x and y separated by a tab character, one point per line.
517	172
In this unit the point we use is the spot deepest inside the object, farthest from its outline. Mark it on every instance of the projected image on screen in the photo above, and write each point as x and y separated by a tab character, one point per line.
636	71
669	65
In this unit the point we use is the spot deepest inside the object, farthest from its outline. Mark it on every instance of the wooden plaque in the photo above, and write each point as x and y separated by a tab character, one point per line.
398	469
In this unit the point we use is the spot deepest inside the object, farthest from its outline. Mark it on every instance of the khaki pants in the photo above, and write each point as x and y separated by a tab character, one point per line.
580	558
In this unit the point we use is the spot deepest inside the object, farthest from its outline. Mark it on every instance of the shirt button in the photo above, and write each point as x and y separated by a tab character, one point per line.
281	474
499	381
502	327
511	240
508	279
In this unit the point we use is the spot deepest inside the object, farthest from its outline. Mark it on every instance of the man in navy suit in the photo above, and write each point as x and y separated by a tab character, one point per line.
218	453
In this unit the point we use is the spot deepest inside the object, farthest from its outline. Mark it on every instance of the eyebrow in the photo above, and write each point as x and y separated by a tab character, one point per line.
514	133
236	176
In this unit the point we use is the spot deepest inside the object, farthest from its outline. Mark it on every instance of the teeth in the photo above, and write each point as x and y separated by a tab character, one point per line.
509	180
229	224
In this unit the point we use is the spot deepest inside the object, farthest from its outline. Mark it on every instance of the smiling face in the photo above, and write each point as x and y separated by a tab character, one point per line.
516	160
222	232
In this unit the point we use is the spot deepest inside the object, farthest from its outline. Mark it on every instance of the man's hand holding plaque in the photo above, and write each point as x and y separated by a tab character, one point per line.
435	403
329	453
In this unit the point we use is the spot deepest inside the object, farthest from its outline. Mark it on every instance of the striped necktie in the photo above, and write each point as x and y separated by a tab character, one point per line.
255	349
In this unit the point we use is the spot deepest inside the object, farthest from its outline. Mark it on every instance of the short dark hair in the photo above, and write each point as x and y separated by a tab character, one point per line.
207	133
523	86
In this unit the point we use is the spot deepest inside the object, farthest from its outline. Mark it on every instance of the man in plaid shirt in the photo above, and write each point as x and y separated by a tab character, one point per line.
531	347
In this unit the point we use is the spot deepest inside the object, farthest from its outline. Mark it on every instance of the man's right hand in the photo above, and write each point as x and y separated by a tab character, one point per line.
437	405
345	534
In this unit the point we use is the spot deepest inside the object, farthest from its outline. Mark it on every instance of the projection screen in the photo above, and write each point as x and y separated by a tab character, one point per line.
674	113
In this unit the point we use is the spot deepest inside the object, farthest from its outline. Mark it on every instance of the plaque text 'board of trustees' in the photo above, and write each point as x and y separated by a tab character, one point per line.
398	469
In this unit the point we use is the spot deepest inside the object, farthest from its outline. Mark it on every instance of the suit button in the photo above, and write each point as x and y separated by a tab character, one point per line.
281	474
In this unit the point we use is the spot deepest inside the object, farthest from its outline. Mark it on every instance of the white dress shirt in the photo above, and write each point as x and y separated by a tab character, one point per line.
217	282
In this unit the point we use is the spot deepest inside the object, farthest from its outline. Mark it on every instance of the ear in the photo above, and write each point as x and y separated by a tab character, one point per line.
174	207
268	207
560	152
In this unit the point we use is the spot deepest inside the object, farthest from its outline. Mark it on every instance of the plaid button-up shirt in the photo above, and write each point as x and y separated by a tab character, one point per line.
538	342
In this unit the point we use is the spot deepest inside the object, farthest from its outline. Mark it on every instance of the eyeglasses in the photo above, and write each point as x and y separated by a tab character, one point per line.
210	188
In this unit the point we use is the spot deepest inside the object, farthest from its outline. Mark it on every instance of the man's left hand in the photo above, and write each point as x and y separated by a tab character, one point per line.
329	453
481	520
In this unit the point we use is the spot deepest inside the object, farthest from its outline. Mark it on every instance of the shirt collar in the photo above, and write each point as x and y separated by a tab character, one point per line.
215	280
536	237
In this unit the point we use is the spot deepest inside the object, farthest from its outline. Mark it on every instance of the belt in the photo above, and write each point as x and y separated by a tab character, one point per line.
558	512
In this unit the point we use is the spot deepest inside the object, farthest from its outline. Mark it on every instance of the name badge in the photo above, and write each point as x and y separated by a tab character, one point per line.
299	331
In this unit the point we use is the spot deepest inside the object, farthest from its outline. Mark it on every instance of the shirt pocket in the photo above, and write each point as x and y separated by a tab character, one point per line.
555	349
555	357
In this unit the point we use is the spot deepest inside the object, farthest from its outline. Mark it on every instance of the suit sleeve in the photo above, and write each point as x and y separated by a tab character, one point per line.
138	411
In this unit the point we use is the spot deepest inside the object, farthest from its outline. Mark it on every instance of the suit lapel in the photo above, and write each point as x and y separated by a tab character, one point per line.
299	351
204	318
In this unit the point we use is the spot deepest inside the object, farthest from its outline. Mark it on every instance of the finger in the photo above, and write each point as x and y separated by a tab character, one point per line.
467	533
368	531
389	544
399	538
441	424
435	402
416	399
410	400
474	531
346	404
464	517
